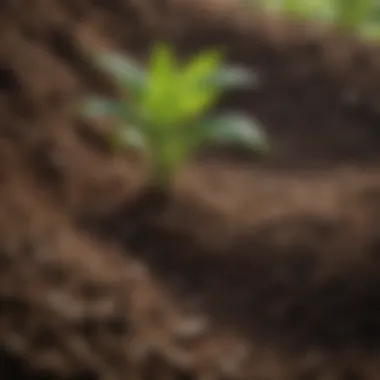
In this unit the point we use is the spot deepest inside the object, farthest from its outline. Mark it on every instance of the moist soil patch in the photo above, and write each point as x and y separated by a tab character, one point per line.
257	268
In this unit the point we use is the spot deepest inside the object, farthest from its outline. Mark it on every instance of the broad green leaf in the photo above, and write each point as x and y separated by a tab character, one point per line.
196	103
195	95
99	107
236	129
201	67
162	70
132	78
194	75
161	95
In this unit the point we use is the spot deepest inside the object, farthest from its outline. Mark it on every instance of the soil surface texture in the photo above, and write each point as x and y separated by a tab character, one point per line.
262	268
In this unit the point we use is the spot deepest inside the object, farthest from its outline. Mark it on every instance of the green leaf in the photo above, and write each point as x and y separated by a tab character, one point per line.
160	99
232	77
98	107
162	59
131	77
236	129
129	136
193	104
196	94
201	67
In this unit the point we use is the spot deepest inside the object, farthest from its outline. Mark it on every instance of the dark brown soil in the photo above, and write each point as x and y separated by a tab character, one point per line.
264	269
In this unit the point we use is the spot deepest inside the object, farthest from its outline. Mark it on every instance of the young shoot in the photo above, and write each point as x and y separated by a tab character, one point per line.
165	112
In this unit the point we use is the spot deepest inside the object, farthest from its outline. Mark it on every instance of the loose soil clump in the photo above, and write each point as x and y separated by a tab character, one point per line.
254	268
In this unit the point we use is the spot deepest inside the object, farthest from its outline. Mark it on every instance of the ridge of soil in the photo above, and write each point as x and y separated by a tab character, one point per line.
278	258
290	277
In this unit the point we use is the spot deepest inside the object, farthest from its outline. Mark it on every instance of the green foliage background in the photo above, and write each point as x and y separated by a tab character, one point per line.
361	16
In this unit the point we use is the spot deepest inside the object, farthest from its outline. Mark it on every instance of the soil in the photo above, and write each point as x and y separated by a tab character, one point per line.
254	268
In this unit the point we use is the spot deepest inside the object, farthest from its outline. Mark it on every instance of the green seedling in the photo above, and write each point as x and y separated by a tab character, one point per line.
165	109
